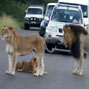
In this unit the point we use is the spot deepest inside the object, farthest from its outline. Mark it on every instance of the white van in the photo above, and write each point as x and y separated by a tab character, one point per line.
34	16
62	14
84	7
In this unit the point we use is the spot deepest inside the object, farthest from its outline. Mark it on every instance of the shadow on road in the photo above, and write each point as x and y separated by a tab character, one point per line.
33	29
62	52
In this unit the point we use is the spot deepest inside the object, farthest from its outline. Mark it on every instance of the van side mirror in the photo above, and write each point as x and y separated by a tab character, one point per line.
46	18
25	11
84	14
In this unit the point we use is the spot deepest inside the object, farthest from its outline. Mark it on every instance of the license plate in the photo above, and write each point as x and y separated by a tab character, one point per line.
61	39
33	22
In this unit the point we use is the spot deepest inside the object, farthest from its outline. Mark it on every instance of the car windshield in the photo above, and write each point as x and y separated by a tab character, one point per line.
65	15
83	7
49	10
34	11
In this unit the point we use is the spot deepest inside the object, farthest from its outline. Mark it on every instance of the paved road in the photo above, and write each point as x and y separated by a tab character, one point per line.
58	65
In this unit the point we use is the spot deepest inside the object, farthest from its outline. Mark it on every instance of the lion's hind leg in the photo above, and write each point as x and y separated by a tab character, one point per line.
42	67
75	72
80	61
38	65
81	66
81	58
78	66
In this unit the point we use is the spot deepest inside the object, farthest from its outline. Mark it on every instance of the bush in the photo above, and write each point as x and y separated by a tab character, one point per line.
16	8
9	21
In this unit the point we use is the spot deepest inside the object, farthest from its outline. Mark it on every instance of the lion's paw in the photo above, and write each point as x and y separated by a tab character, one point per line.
10	73
7	72
36	74
75	73
45	73
80	73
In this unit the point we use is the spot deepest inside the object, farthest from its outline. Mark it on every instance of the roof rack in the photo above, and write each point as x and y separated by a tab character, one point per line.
67	5
36	5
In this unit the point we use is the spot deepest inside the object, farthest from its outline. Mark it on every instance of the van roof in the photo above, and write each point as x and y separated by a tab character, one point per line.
70	7
85	2
35	6
51	4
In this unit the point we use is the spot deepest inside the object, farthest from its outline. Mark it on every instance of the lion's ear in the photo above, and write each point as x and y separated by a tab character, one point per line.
69	29
66	28
10	27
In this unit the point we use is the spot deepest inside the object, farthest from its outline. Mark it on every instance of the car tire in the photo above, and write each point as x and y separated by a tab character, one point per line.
42	31
26	26
49	48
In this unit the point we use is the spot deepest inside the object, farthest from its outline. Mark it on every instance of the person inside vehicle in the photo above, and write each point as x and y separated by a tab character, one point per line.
75	20
56	16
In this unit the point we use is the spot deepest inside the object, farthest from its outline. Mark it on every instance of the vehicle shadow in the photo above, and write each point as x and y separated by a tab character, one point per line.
33	29
63	52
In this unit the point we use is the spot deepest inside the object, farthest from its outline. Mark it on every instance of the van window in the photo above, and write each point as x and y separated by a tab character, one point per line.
85	10
83	7
49	10
65	15
34	11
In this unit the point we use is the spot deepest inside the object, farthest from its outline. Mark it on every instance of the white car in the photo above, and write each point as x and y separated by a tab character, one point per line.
34	16
62	14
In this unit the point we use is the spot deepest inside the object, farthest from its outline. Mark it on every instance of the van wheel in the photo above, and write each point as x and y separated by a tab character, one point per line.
49	48
26	26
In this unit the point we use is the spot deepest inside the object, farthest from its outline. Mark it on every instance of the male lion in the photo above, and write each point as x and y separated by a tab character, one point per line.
19	46
77	40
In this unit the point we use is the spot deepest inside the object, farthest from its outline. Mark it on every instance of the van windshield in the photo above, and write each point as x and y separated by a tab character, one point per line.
49	10
83	7
34	11
65	15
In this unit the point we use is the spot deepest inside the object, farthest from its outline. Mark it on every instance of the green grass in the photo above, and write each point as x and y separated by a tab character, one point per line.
9	21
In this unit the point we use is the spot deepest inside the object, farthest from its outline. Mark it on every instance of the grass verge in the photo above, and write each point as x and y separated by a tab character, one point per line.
9	21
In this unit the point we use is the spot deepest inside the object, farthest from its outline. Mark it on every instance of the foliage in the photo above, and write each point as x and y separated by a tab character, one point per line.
16	8
8	21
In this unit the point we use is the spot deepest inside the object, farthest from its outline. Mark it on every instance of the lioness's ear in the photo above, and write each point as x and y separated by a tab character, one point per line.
10	27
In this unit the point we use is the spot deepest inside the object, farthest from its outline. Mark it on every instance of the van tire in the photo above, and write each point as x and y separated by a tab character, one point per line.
26	26
48	48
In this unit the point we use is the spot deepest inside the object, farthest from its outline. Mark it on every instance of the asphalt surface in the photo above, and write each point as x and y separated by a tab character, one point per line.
59	66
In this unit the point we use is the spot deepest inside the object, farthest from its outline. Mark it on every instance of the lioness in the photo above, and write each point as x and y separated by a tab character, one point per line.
18	46
77	40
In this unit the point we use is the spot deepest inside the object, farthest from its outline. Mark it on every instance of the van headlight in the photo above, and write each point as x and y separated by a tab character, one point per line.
26	19
52	28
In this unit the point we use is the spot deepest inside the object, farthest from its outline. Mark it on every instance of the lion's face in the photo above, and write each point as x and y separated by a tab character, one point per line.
33	65
19	65
6	32
68	36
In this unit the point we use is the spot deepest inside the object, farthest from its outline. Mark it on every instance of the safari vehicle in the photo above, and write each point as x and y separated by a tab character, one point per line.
62	14
33	16
45	21
83	5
